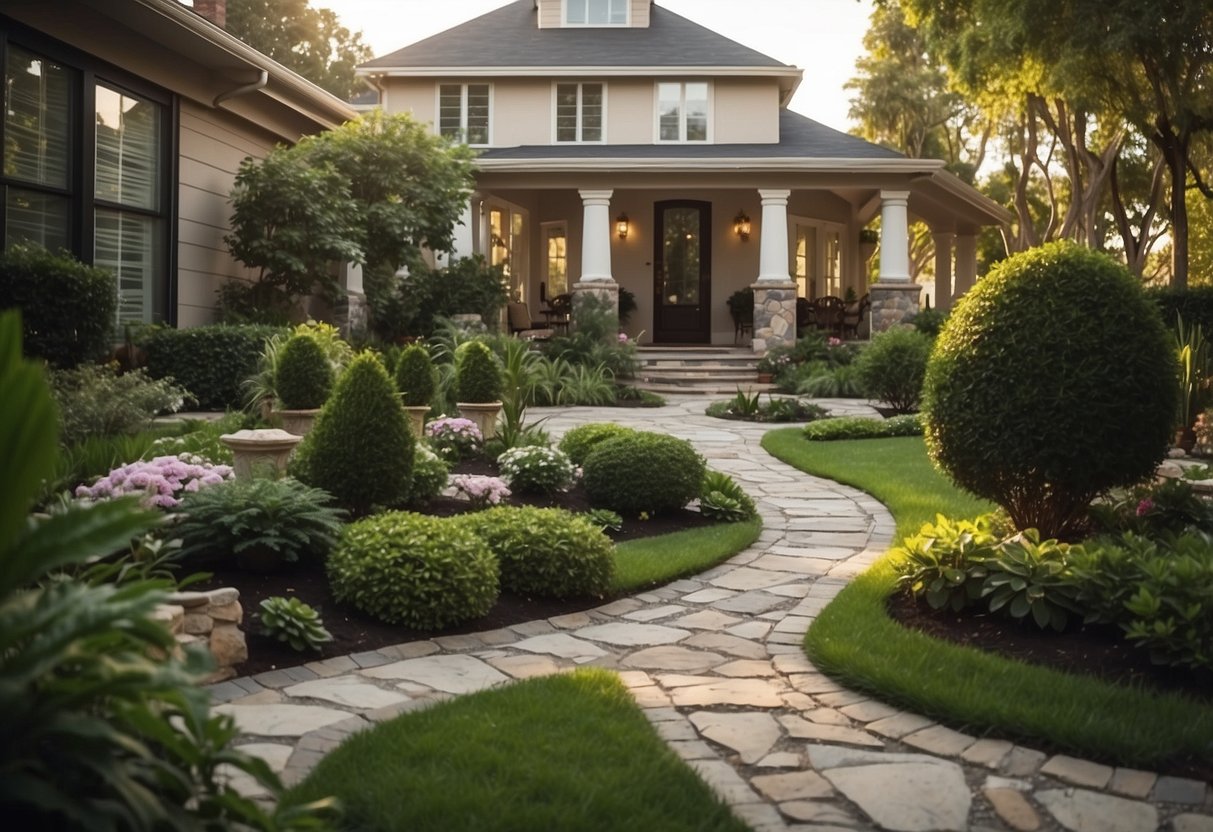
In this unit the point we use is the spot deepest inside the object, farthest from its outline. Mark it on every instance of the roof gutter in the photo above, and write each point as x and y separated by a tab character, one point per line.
262	80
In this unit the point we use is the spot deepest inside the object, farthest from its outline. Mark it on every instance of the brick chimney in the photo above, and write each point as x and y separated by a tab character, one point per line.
213	10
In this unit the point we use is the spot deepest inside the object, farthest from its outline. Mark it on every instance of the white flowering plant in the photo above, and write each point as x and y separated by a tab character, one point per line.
536	469
453	439
479	490
160	481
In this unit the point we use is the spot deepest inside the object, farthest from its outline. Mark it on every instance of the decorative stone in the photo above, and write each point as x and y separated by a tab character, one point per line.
892	303
1192	823
774	314
449	674
795	785
1080	810
751	735
805	730
755	693
526	667
171	616
469	322
1179	790
198	625
562	645
1014	809
228	647
1076	771
633	635
267	450
484	414
601	293
349	691
675	658
232	612
908	797
280	720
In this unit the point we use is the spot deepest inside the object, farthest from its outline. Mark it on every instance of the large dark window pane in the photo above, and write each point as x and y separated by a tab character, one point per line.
128	150
37	119
130	246
33	217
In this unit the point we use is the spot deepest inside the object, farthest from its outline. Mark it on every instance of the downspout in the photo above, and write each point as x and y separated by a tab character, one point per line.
262	80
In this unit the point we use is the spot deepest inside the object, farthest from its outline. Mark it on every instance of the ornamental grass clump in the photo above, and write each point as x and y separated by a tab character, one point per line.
546	552
535	469
415	376
477	374
422	572
160	482
360	450
1053	381
643	472
303	377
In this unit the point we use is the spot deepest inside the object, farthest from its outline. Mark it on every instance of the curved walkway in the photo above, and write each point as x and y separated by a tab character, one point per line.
716	663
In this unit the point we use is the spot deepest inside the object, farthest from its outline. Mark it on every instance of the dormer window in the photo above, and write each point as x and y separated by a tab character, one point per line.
463	112
682	111
596	12
579	112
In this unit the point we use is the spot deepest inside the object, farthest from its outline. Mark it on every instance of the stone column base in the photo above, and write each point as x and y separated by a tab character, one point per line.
597	294
892	303
774	315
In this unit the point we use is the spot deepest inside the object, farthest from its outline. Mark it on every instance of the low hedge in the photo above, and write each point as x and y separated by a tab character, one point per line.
1195	304
858	427
211	362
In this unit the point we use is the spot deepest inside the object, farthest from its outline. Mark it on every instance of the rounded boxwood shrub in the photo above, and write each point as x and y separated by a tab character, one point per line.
360	449
422	572
892	367
415	376
303	377
477	374
579	441
643	472
546	552
1053	381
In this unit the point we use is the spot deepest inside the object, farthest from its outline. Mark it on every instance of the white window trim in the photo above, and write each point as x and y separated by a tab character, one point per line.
463	108
682	112
546	277
564	18
555	114
821	229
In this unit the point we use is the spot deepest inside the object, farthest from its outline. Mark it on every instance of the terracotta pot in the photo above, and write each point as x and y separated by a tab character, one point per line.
484	414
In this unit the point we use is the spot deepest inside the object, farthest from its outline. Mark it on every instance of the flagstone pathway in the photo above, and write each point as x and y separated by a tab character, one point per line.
715	662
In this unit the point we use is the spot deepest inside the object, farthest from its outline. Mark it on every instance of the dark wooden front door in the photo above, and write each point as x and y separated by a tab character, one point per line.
682	271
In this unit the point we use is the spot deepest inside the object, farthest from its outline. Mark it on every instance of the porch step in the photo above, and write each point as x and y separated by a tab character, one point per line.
697	369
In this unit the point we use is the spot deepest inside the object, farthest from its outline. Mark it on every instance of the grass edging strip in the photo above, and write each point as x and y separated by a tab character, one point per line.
651	561
855	641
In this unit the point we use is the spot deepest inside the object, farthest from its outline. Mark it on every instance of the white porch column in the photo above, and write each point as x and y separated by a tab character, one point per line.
596	287
480	227
966	263
943	269
895	295
775	291
464	237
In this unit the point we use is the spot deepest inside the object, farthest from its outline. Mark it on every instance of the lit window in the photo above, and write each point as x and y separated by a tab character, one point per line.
463	112
596	12
579	112
556	266
682	111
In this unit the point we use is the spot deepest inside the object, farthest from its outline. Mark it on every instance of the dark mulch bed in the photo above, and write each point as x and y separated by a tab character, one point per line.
355	632
1094	651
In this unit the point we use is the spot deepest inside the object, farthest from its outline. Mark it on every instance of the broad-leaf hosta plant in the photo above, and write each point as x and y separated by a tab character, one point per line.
294	622
101	726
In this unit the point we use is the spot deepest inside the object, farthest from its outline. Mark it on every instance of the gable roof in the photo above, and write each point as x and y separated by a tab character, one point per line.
510	37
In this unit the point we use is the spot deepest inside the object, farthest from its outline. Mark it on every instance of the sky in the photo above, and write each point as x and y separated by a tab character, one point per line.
822	37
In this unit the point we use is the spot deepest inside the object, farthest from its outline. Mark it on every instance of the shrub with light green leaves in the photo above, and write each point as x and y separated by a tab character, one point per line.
430	475
96	401
291	621
858	427
892	367
643	472
422	572
303	377
546	552
579	441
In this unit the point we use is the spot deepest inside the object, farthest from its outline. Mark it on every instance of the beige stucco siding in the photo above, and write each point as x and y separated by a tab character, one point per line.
522	112
746	111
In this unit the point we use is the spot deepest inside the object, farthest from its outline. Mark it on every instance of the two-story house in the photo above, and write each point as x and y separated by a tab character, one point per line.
623	145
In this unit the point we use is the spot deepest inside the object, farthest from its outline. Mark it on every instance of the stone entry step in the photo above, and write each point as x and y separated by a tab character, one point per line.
698	369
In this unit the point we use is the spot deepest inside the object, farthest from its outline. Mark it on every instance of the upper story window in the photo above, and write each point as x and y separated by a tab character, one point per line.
596	12
682	111
463	112
579	112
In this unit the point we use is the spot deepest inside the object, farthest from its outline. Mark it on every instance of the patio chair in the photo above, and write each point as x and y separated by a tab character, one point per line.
519	318
827	314
559	311
852	317
804	314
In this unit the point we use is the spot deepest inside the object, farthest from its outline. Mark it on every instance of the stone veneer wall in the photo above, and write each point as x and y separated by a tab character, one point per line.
774	316
892	303
606	293
211	619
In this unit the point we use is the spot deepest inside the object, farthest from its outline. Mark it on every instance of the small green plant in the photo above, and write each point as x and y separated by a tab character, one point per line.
422	572
1029	576
1167	508
257	524
579	441
643	472
721	498
783	409
742	405
605	519
294	622
821	381
96	401
545	551
893	366
430	475
303	377
477	374
945	562
535	469
1192	350
415	376
858	427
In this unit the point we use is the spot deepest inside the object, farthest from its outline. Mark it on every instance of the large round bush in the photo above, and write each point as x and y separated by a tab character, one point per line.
545	551
422	572
579	441
892	367
303	377
1053	381
643	472
360	450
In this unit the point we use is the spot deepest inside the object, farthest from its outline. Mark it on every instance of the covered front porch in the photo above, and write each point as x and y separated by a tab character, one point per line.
680	243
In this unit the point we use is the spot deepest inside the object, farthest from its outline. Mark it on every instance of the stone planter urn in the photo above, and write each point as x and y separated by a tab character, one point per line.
417	418
297	422
484	414
260	450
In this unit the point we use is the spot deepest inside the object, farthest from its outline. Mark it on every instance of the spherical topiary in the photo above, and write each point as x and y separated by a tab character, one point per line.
892	367
422	572
546	552
579	441
415	376
1053	381
303	377
477	374
643	472
360	449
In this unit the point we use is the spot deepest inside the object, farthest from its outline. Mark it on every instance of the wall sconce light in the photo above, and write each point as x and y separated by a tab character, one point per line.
741	225
621	226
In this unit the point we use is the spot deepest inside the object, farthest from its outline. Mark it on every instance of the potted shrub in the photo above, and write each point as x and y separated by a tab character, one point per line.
302	381
478	387
416	383
868	239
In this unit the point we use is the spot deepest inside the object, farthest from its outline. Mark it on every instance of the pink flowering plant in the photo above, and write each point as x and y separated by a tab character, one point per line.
453	438
160	481
536	469
479	490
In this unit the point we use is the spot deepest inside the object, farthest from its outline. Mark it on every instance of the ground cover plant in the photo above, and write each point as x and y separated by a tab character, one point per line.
859	427
514	758
749	407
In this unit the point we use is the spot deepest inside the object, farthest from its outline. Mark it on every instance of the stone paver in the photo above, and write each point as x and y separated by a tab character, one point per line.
715	662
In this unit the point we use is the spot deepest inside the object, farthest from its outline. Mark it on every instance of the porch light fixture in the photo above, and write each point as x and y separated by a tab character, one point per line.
621	226
741	225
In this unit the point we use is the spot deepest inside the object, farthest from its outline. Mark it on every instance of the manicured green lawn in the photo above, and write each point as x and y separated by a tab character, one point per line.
562	752
657	560
856	642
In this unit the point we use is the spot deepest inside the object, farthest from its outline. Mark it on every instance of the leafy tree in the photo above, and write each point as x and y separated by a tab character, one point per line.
310	41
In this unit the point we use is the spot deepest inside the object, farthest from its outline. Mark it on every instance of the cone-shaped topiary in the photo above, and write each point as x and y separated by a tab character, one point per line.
415	376
361	450
477	374
1053	381
303	377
